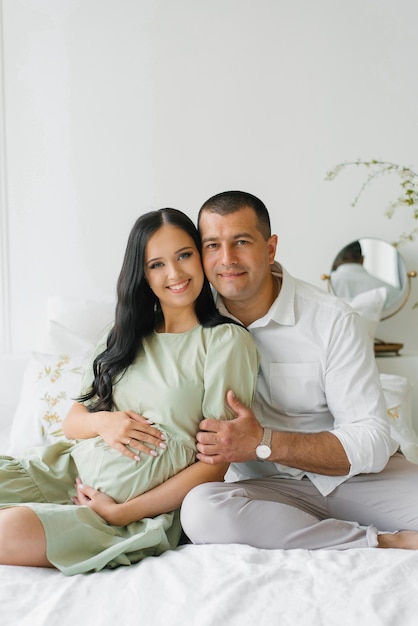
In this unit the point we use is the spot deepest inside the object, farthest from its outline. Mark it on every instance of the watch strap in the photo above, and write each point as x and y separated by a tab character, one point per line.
267	435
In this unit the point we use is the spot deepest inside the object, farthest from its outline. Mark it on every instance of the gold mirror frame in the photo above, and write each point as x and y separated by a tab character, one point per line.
352	253
409	275
367	263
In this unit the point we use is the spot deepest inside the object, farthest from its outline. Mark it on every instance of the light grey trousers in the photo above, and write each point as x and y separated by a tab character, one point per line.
283	513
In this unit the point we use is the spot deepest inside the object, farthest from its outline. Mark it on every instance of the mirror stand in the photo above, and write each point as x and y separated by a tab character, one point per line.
409	275
382	347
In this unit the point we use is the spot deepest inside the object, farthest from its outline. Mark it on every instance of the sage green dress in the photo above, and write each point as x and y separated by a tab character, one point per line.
175	381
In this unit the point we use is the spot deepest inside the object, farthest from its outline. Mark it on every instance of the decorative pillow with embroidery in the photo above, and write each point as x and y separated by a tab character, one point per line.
397	391
50	384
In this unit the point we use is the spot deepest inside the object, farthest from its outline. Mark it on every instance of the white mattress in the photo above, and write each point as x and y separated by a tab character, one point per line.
232	585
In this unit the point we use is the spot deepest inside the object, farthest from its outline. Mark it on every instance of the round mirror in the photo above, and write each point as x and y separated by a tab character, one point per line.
367	264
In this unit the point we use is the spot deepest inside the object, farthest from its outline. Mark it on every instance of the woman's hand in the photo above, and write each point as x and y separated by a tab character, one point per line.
100	503
126	431
130	433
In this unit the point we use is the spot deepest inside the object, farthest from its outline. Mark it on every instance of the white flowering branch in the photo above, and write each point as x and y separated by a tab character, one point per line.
408	183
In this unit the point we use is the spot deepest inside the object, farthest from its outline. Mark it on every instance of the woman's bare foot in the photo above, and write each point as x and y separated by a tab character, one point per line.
403	539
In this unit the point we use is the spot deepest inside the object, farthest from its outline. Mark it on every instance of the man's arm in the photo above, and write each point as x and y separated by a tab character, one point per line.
236	441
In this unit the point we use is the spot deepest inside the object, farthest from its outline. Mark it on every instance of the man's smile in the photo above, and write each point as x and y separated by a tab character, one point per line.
231	275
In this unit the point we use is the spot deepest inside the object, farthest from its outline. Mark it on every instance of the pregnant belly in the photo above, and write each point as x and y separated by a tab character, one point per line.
109	471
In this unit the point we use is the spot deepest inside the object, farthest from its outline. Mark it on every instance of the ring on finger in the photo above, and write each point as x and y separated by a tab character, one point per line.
129	441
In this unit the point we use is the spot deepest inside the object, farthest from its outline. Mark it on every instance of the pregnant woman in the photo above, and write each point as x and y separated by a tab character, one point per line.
110	496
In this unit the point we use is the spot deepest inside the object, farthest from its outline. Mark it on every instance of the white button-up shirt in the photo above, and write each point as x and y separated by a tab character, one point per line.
351	279
317	373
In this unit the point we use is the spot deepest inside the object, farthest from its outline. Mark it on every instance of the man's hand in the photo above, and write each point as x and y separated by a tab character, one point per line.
231	441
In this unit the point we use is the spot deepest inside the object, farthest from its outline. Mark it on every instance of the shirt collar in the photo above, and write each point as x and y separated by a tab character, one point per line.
282	311
349	267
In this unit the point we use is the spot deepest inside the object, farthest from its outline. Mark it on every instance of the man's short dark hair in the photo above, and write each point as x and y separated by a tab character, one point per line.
349	254
228	202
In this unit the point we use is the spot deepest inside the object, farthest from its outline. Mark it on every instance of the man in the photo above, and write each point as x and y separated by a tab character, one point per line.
313	464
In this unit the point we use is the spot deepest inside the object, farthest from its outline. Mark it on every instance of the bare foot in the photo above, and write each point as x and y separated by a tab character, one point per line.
404	539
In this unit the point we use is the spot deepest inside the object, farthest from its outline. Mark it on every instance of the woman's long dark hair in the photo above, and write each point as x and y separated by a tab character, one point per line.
137	309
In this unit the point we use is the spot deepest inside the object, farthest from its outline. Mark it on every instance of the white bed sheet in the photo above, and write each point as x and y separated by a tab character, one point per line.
231	585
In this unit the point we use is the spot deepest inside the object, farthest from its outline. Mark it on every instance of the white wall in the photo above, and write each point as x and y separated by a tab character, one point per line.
114	107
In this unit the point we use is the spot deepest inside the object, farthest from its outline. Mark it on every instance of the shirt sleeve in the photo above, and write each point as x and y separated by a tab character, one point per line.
355	397
231	363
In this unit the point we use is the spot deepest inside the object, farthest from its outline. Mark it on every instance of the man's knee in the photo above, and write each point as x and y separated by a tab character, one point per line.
198	512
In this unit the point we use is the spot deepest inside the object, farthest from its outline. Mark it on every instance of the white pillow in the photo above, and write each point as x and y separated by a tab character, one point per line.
50	384
60	340
397	391
369	306
85	319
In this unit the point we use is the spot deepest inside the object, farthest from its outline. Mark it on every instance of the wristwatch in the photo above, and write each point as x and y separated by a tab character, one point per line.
263	450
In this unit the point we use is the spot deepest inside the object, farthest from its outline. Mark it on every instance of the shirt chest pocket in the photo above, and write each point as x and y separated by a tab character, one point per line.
295	388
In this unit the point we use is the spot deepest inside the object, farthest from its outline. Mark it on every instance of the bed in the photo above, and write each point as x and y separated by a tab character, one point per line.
224	585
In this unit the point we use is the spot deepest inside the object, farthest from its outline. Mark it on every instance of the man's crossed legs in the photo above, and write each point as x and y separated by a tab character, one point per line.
283	513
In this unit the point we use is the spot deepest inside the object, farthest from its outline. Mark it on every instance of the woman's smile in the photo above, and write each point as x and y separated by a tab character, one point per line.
179	287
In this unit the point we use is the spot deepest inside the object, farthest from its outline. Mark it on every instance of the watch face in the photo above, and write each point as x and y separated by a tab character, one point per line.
263	452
